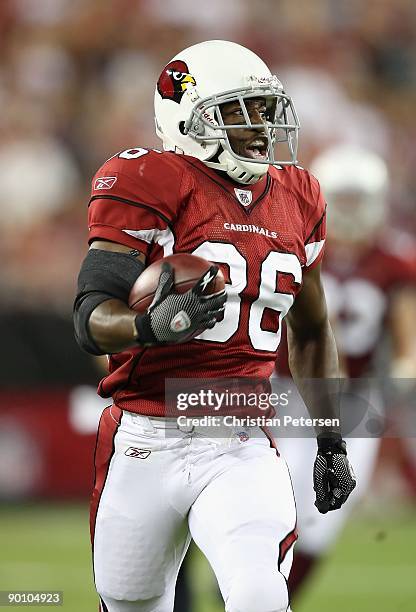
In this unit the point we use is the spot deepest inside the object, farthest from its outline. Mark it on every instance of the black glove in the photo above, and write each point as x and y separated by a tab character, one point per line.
333	476
178	317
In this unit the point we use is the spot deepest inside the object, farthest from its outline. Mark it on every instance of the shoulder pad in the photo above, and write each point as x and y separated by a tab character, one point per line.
140	176
307	190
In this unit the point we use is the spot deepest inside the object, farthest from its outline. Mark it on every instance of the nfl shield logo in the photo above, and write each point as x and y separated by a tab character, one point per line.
244	196
243	436
180	322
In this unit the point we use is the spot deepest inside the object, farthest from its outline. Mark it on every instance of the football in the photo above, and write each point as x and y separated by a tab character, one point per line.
187	268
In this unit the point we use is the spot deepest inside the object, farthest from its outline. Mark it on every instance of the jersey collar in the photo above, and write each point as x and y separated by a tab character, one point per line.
246	195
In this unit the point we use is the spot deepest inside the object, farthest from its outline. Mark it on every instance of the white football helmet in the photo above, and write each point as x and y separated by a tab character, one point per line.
188	97
355	183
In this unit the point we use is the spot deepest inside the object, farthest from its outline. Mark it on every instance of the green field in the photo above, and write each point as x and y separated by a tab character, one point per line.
373	567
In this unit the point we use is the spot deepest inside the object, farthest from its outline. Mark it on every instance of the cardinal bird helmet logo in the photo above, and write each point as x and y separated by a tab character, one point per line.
174	81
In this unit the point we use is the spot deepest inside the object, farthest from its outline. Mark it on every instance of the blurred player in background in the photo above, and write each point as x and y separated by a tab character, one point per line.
217	191
370	283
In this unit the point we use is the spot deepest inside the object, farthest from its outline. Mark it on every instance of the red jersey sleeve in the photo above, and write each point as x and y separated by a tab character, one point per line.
314	214
312	207
134	199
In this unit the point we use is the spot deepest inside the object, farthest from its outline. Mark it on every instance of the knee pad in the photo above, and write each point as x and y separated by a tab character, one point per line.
259	590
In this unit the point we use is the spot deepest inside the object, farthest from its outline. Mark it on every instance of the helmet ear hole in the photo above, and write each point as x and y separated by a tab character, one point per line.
182	128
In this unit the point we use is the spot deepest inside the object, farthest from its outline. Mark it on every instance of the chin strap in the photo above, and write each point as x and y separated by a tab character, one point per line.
241	172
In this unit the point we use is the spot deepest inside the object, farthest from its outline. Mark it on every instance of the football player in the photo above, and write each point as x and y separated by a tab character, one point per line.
370	281
226	188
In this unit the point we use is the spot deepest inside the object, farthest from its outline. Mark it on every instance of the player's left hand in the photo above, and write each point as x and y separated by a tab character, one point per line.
333	476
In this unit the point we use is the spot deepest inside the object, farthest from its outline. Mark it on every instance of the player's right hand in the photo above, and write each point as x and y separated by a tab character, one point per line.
178	317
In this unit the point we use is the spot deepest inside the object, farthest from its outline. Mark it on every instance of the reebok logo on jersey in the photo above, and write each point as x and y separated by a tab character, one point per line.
244	196
253	229
138	453
180	322
105	182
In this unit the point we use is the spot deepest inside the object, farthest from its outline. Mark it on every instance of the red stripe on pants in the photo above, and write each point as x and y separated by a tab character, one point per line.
104	450
285	544
269	436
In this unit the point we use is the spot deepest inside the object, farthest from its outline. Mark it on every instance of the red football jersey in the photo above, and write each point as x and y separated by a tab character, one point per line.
262	236
358	293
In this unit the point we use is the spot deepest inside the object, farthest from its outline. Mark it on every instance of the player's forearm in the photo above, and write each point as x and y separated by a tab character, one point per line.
313	355
313	362
112	326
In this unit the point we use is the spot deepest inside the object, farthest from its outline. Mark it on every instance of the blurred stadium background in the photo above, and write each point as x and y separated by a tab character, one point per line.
76	85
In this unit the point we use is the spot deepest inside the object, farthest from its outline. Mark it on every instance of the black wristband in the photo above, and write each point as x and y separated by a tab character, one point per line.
144	330
330	441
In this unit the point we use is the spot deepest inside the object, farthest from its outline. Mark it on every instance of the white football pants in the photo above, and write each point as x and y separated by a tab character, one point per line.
157	486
